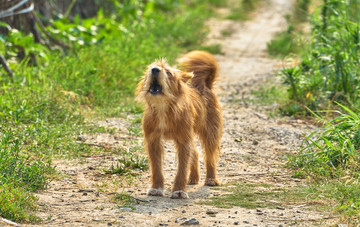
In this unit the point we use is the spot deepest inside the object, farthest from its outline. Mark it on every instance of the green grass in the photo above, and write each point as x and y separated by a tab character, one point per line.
242	10
214	49
129	162
329	68
330	156
283	44
253	196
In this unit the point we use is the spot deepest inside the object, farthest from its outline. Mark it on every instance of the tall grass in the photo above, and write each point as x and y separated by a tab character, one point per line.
331	157
330	68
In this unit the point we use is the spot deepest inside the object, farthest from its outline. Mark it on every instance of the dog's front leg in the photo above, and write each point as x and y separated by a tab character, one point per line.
156	153
181	179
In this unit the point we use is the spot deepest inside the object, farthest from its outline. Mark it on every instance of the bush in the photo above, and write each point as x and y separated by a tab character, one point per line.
330	69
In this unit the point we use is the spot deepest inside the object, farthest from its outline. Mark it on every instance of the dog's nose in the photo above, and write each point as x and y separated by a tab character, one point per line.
155	70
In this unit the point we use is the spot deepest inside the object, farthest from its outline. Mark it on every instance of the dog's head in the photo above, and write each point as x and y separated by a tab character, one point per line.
161	82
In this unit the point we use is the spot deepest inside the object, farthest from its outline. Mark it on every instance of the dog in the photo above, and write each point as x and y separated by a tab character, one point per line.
180	104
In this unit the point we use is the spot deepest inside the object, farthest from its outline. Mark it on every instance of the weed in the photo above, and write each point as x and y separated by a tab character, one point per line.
17	204
128	163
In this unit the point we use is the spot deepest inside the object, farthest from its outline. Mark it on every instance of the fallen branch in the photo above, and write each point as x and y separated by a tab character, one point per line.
6	66
57	42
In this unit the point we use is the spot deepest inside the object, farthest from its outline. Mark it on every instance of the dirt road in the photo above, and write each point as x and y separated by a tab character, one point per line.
252	148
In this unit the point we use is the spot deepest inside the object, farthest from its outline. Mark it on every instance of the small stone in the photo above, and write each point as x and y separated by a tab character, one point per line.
280	208
280	225
177	220
81	138
109	224
246	222
211	212
281	214
236	223
121	216
236	212
126	209
255	142
184	211
163	224
192	221
258	210
298	211
84	193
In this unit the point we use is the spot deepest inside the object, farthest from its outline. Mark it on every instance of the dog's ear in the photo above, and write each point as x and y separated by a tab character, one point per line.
185	76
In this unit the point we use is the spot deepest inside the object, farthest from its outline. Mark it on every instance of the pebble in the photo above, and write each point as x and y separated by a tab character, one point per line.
211	212
179	219
246	222
280	208
255	142
236	223
109	224
81	138
184	211
163	224
192	221
121	216
126	209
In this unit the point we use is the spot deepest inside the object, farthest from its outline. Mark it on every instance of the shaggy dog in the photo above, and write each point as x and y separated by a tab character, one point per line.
179	105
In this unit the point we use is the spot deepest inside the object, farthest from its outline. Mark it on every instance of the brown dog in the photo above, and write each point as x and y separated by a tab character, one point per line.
177	110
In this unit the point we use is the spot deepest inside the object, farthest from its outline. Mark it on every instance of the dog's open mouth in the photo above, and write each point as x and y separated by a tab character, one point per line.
155	87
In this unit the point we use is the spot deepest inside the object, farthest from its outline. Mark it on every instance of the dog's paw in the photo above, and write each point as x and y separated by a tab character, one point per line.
179	195
155	192
212	182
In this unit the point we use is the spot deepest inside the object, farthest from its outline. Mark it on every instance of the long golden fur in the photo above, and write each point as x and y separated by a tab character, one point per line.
179	105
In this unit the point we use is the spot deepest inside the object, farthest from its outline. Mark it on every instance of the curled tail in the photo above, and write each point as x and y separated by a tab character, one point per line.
204	67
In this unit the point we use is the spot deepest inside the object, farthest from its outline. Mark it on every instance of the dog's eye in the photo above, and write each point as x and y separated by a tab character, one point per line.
168	73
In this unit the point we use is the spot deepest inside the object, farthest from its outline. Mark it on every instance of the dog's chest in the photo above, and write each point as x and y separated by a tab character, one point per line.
162	119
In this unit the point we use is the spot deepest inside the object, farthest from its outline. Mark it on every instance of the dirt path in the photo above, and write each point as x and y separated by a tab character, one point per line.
252	147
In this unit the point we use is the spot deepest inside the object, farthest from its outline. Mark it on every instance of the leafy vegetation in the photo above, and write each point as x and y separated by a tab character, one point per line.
43	107
328	78
331	156
329	70
129	162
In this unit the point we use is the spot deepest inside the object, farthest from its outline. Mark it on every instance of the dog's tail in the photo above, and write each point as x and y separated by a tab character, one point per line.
204	67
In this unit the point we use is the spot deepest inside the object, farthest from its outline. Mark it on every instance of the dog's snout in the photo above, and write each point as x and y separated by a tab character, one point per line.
155	70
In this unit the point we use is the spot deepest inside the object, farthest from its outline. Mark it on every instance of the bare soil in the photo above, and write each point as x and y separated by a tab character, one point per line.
253	147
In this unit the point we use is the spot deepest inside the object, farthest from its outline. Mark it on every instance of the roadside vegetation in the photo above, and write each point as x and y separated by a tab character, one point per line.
324	85
55	88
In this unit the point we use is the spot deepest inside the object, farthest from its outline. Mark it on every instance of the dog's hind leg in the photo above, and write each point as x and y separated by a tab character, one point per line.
211	146
194	167
156	153
184	153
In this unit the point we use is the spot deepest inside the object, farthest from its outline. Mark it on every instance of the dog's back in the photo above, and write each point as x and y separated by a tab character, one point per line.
204	67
